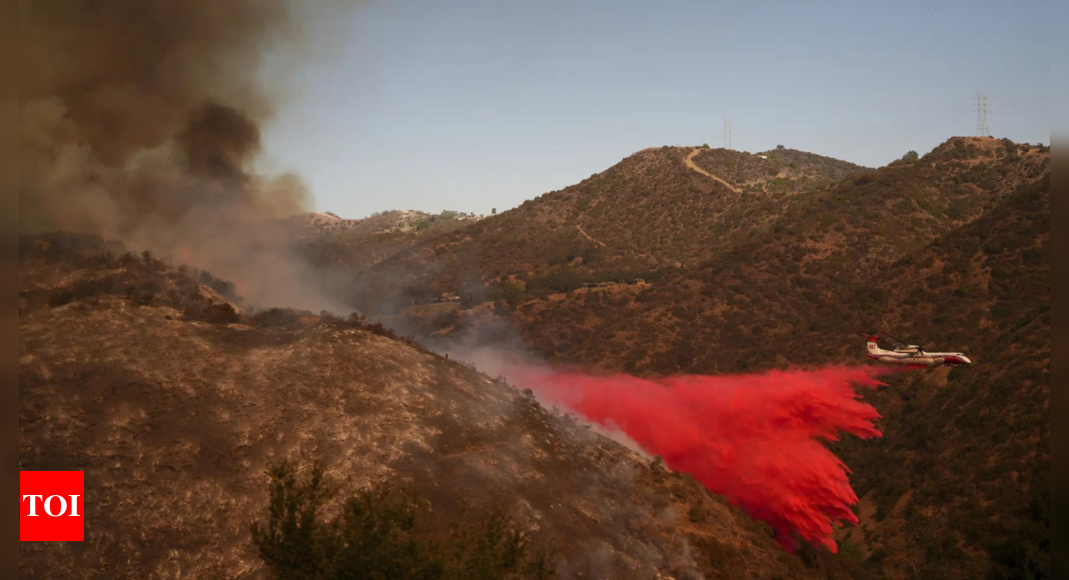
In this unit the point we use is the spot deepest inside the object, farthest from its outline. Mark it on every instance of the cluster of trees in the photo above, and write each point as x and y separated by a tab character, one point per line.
142	279
385	533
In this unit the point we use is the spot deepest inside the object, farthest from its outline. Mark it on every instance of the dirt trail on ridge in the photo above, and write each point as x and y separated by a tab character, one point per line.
588	237
690	163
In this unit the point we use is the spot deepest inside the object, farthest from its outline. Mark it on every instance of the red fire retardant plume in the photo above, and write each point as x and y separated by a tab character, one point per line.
755	439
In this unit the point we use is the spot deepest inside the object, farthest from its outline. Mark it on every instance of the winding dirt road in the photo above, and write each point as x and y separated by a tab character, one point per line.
690	163
587	236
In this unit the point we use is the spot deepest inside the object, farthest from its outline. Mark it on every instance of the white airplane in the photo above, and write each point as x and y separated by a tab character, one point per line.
912	355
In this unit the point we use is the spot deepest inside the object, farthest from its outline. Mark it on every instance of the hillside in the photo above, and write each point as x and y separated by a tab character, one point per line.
965	463
648	215
334	229
780	170
792	284
331	242
174	403
149	370
951	250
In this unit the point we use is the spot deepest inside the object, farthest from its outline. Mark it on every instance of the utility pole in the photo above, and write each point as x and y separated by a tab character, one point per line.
981	114
727	135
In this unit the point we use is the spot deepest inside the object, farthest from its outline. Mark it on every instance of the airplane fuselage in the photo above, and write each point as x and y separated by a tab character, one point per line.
914	358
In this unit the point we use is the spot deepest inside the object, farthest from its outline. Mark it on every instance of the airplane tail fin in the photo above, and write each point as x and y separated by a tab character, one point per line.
870	341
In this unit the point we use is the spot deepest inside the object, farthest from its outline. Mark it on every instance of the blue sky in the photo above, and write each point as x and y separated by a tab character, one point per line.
481	104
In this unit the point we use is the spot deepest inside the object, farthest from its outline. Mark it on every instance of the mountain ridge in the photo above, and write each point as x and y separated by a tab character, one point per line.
590	230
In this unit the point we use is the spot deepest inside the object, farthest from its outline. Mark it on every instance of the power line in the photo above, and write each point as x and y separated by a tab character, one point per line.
981	114
885	140
1037	105
1018	113
880	133
1018	109
727	135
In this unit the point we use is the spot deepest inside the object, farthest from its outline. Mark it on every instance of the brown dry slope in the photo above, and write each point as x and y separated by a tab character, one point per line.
694	167
174	411
795	283
329	242
951	250
653	212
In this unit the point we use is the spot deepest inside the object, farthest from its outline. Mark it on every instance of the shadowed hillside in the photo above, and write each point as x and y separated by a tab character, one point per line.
964	465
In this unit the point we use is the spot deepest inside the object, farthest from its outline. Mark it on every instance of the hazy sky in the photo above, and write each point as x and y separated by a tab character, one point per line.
434	105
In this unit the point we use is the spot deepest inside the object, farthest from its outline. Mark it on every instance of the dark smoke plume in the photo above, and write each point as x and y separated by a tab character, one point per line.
139	121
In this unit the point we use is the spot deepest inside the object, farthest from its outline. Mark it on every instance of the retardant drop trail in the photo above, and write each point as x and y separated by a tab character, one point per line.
755	439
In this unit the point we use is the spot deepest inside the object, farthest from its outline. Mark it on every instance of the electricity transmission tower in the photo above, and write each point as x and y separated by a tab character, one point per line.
727	135
981	114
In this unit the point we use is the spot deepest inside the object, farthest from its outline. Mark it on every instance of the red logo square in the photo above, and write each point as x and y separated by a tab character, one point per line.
53	506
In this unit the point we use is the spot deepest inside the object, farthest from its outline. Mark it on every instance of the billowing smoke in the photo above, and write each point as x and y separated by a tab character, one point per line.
758	439
139	121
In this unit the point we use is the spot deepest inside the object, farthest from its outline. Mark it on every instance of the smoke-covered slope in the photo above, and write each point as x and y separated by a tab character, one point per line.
345	246
174	405
140	121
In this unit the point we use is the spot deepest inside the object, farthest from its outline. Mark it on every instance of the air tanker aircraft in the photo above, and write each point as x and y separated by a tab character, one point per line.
912	355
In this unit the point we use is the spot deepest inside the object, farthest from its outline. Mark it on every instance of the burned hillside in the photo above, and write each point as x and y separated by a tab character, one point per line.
175	418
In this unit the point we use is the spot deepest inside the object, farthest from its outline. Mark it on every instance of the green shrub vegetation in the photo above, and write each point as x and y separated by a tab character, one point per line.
385	533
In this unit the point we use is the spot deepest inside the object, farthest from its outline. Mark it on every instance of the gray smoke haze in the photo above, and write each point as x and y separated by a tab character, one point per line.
139	121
